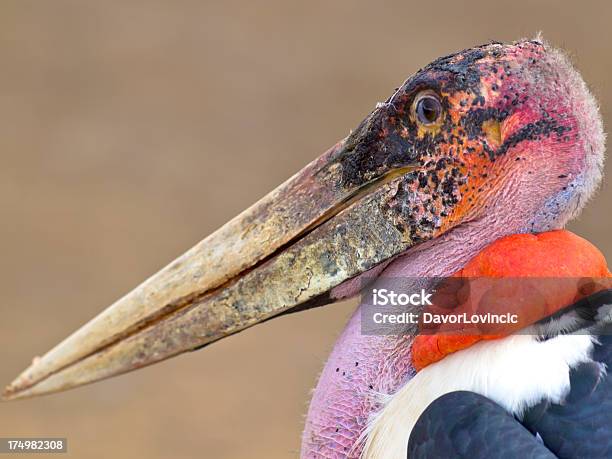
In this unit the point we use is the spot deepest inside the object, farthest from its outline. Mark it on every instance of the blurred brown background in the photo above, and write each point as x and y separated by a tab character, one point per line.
130	130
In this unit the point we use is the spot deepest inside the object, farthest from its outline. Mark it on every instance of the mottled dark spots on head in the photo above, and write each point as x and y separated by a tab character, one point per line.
422	180
479	100
462	66
489	152
410	179
426	223
433	177
449	185
376	147
473	120
544	127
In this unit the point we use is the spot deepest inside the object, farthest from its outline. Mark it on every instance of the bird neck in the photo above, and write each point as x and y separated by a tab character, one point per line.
362	368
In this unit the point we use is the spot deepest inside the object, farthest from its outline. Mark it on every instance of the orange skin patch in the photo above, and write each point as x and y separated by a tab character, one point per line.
554	254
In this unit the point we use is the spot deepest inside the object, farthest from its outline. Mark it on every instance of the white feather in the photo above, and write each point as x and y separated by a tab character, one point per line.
517	372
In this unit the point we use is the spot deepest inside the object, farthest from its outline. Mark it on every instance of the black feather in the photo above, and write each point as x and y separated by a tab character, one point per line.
467	425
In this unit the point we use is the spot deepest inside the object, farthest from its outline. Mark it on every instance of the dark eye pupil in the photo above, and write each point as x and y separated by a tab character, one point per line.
428	110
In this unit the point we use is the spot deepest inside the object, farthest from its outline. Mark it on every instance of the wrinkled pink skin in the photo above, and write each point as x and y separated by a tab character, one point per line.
360	367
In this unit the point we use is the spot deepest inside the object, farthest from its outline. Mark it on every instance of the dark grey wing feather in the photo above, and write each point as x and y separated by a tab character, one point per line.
467	425
580	427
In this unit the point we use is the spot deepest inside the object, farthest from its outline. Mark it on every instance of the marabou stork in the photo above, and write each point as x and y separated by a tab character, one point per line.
490	142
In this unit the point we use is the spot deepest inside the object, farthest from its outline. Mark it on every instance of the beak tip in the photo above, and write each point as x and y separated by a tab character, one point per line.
17	391
20	387
10	392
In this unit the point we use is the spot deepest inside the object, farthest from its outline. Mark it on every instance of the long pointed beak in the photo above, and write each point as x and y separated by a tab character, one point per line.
328	223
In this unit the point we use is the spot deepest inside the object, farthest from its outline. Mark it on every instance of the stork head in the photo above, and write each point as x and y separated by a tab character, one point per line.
505	132
494	129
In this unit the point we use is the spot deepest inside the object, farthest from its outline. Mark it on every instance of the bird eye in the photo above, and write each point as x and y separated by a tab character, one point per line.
428	109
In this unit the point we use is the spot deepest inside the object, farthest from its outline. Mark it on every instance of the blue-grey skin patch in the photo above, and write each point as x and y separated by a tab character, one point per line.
559	208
